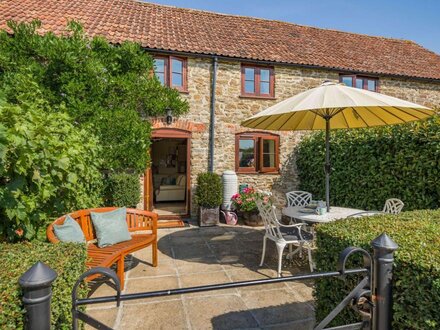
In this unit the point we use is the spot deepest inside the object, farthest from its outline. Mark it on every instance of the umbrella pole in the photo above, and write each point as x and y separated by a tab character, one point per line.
327	163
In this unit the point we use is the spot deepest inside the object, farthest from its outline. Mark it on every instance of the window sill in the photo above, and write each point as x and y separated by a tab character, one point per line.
257	97
258	173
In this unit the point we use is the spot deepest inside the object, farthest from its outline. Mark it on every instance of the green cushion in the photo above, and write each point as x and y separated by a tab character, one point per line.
111	227
69	231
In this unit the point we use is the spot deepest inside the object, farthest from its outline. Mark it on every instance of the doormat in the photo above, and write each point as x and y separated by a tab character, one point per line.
171	223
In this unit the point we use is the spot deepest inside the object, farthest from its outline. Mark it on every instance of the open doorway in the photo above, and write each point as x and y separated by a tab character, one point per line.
169	176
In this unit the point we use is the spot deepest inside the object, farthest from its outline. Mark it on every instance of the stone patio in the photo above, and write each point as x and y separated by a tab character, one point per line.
194	256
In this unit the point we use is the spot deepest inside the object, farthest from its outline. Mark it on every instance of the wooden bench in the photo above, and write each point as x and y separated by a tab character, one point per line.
137	220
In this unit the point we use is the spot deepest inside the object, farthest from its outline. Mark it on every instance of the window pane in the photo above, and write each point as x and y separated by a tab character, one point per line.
348	81
246	153
249	86
264	87
372	85
177	66
249	74
268	153
159	69
161	77
264	75
159	64
177	79
359	83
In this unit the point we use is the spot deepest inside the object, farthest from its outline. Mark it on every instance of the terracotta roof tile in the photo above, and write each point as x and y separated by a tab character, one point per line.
186	30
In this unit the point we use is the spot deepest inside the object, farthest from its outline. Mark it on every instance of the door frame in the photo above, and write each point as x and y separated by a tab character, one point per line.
175	133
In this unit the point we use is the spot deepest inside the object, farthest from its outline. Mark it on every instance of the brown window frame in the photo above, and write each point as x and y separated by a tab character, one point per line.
168	71
257	81
258	138
363	77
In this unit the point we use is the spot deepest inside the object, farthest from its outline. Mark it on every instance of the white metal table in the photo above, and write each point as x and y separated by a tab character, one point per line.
334	214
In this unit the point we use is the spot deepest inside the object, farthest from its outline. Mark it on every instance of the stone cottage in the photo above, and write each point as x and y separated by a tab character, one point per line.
228	68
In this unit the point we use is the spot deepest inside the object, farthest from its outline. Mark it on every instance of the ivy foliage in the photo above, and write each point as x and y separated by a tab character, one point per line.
67	259
372	165
122	189
107	89
47	167
416	273
209	190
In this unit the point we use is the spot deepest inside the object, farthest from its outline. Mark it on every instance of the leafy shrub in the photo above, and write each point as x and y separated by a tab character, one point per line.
416	281
68	260
372	165
105	88
245	200
122	189
47	168
209	191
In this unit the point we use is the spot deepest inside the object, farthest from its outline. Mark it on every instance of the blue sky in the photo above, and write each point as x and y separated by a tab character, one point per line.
417	20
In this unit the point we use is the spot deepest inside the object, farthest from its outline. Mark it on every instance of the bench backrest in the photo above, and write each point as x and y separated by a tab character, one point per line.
137	220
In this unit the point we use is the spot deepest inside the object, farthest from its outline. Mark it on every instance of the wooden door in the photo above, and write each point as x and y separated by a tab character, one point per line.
148	190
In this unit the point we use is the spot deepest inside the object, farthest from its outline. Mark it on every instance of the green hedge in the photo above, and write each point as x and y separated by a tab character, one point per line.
372	165
416	287
209	190
122	189
68	260
48	167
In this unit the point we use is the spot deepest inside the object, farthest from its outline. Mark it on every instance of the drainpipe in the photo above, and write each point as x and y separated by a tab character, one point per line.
212	118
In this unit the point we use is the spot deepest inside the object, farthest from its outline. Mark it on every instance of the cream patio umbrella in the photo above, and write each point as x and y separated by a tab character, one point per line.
334	105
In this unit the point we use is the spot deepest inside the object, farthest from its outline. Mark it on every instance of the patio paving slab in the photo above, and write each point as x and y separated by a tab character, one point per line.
244	274
107	316
161	315
202	265
152	284
195	256
275	307
189	280
144	269
221	312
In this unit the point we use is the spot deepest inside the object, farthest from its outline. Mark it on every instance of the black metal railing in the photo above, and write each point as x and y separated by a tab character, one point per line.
371	297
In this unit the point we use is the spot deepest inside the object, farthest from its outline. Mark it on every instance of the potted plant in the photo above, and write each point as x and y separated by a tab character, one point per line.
208	197
244	203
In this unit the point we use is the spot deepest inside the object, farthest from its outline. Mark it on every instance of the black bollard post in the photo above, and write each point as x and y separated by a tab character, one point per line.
36	284
383	257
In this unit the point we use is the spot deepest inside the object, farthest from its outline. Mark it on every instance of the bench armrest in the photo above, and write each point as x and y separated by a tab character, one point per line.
139	220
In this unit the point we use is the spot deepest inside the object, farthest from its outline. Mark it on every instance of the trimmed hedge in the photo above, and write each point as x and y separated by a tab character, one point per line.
209	190
122	189
372	165
416	286
67	259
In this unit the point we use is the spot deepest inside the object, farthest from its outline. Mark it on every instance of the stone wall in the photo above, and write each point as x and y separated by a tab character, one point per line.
231	109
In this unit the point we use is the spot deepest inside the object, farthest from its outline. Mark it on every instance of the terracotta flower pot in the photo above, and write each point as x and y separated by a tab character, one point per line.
252	219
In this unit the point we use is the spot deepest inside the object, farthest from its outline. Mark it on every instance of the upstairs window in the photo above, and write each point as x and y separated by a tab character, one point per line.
362	82
257	153
257	81
171	71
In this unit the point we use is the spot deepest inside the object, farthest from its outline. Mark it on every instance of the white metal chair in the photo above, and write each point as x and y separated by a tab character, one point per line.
283	235
393	206
298	198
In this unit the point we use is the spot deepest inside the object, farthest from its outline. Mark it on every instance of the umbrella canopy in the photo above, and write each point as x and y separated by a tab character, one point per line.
334	105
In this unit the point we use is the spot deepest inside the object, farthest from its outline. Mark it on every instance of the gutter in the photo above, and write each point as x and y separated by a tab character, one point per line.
212	115
295	65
